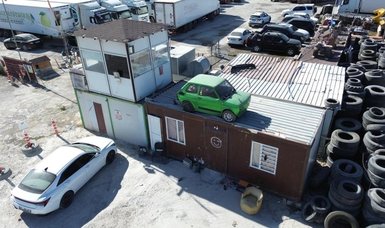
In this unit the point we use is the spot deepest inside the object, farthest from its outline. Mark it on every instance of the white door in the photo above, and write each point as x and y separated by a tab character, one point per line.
169	14
155	130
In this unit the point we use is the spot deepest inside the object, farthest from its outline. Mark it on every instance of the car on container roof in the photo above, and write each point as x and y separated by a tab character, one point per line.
213	95
53	182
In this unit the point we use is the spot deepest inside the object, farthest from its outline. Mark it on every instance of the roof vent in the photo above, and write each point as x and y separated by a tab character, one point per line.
246	66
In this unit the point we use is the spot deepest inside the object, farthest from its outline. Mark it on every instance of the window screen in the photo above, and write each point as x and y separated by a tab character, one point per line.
175	130
264	157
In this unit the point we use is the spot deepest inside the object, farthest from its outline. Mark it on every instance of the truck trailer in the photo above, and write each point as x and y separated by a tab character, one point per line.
359	6
36	17
184	14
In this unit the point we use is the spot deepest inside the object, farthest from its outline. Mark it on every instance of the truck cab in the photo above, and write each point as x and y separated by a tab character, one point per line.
359	6
117	9
92	13
139	9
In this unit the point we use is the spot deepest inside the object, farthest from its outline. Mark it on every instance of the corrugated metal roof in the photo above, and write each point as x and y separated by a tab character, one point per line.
286	79
289	120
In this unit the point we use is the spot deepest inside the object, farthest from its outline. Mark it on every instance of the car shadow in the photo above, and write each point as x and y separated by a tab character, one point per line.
89	201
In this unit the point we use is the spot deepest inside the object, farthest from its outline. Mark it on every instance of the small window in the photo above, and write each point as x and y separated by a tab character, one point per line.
93	61
140	62
299	8
160	54
175	130
192	89
117	64
264	157
57	18
208	92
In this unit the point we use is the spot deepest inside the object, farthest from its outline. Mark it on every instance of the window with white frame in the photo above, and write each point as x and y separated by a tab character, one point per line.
140	62
175	130
93	61
160	54
264	157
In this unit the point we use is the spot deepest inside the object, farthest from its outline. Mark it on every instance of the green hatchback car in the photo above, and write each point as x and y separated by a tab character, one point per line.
213	95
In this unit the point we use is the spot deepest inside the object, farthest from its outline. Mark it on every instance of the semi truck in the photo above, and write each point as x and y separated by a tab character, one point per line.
138	9
86	13
184	14
36	17
359	6
117	9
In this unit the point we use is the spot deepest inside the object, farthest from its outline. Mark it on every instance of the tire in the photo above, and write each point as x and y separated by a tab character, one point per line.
376	127
308	213
228	116
290	52
350	190
187	106
379	152
367	55
345	140
377	208
376	180
335	218
370	144
357	94
376	165
375	95
375	77
378	196
321	204
340	154
355	66
257	48
346	169
110	157
348	124
354	85
377	113
331	103
67	199
368	64
368	213
352	105
377	137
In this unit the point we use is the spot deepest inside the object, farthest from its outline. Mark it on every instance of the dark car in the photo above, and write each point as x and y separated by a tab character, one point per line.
285	29
24	41
303	23
274	41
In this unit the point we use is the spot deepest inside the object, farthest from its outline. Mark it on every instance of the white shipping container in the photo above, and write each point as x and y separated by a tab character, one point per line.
176	13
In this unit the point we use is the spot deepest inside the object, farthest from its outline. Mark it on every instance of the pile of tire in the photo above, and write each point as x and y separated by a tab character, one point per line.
381	59
353	86
373	141
346	195
352	106
374	119
376	170
342	145
316	209
374	96
375	77
340	219
368	64
373	210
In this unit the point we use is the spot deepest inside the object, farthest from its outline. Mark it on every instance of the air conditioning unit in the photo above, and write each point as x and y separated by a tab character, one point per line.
78	79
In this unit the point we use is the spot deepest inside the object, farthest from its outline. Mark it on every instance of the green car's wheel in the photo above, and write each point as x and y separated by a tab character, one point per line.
187	106
228	116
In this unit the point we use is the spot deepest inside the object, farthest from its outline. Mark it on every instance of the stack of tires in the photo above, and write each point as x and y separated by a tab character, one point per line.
373	210
343	144
374	119
368	50
354	87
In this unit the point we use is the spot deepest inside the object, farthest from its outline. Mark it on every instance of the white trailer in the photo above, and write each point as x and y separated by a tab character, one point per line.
117	9
138	8
360	6
184	14
36	17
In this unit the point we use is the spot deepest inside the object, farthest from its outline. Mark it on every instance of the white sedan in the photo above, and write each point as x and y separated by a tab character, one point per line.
238	37
52	184
259	19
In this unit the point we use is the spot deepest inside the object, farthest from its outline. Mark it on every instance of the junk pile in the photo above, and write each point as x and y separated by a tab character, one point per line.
353	179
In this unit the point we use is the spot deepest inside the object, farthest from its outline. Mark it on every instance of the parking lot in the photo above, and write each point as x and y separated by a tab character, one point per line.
134	191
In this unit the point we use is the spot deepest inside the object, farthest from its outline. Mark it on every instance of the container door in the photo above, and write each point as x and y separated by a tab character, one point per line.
155	130
100	118
159	13
216	142
169	14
